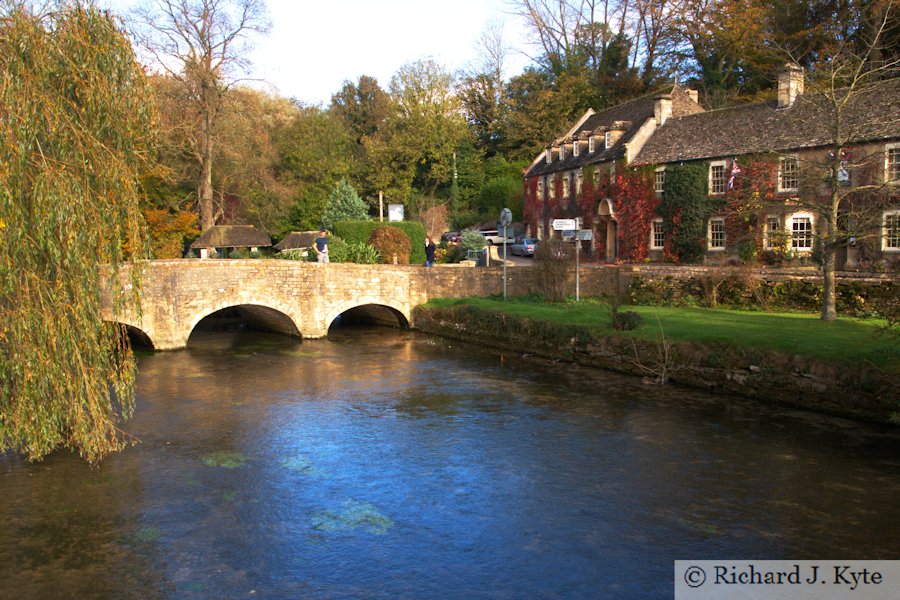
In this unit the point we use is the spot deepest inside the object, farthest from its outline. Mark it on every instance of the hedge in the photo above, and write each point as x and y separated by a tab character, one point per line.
359	231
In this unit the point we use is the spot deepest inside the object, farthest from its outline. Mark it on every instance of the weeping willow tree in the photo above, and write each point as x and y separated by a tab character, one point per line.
76	126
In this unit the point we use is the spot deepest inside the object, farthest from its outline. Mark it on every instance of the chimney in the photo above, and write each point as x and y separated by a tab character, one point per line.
662	108
790	84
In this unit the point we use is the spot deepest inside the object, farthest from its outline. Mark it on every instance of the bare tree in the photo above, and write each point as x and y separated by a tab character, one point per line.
843	81
203	44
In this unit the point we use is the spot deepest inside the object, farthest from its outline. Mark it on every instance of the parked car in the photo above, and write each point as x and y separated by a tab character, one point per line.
523	246
450	236
492	236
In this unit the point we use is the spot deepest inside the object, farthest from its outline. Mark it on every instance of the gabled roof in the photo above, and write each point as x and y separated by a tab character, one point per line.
627	117
297	239
232	236
874	114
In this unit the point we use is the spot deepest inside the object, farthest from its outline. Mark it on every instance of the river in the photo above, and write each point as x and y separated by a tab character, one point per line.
385	464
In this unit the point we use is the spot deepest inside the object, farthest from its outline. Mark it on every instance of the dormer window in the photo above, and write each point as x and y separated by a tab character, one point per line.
575	148
608	140
562	152
591	144
549	156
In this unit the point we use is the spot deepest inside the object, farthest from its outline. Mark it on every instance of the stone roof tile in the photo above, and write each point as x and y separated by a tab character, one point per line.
874	114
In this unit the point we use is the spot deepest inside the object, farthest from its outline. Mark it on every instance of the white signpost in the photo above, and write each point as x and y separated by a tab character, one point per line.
570	231
564	224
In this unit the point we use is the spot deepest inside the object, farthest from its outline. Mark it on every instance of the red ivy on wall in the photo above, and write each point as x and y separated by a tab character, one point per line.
531	211
746	202
635	204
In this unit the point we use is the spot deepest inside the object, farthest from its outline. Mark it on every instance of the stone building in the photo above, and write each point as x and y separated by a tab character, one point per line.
767	167
231	236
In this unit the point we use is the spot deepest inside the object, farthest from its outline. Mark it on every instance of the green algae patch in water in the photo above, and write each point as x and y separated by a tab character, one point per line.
302	353
148	534
301	464
226	459
354	514
700	526
230	496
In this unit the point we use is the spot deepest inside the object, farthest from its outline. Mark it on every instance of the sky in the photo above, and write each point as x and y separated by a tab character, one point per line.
313	47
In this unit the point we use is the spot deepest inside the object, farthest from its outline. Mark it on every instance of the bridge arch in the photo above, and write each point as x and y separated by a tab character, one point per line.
389	308
266	314
137	333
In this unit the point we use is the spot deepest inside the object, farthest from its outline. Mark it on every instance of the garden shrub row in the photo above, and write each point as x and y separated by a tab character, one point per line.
360	231
739	290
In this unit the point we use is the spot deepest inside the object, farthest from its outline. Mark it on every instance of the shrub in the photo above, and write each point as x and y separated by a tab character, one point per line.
554	261
454	253
338	250
392	244
359	231
626	321
295	254
471	240
362	254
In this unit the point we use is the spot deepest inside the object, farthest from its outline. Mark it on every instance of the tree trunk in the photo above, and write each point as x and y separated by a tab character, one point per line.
829	309
207	214
829	251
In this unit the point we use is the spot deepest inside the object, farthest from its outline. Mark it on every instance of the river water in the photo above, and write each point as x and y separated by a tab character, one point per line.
386	464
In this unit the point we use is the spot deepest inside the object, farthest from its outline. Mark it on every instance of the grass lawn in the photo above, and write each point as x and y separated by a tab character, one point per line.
844	340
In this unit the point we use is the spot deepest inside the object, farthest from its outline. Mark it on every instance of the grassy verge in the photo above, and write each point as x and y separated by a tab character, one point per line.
845	341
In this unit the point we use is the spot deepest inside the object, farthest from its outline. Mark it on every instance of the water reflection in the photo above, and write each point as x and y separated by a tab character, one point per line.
379	463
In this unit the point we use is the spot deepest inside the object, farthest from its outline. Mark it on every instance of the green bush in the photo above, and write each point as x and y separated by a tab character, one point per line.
338	250
471	240
392	243
626	321
359	231
362	254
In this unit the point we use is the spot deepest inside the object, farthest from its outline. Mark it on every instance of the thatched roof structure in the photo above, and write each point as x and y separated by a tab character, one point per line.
297	239
232	236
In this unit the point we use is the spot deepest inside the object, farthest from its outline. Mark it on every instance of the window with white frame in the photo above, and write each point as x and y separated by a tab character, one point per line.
575	147
590	144
716	234
891	225
801	231
565	185
579	182
551	185
717	182
562	152
659	180
788	173
549	155
657	234
772	232
892	163
540	188
607	140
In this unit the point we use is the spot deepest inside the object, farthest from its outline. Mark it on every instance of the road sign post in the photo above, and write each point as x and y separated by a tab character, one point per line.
505	221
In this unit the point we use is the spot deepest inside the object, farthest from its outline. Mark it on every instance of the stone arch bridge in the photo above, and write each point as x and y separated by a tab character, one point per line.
295	298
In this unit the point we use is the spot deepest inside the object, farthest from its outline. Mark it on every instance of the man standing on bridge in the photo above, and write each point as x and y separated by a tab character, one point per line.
322	247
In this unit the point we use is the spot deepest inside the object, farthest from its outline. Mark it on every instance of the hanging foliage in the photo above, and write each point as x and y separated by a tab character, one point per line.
76	127
685	208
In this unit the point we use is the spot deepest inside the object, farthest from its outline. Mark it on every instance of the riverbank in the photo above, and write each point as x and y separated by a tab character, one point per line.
840	368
